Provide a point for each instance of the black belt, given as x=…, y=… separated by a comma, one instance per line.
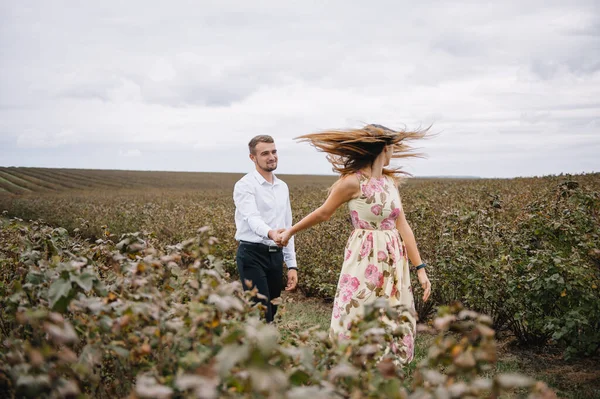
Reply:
x=263, y=247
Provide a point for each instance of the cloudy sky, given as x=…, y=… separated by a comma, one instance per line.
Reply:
x=511, y=87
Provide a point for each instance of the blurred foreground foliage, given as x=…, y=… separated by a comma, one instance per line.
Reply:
x=525, y=251
x=132, y=317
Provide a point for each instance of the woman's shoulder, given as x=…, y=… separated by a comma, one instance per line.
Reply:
x=351, y=180
x=347, y=183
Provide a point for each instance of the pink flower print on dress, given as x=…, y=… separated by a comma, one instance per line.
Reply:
x=409, y=343
x=392, y=250
x=394, y=291
x=390, y=222
x=380, y=280
x=391, y=245
x=387, y=224
x=336, y=311
x=368, y=190
x=372, y=186
x=378, y=184
x=376, y=209
x=348, y=254
x=348, y=284
x=371, y=271
x=354, y=218
x=346, y=296
x=381, y=256
x=354, y=284
x=357, y=223
x=373, y=275
x=367, y=246
x=344, y=280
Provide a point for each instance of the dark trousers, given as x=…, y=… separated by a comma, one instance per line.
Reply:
x=265, y=270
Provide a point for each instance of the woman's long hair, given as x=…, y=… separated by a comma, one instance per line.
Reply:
x=354, y=149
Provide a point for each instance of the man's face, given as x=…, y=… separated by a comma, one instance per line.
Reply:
x=265, y=156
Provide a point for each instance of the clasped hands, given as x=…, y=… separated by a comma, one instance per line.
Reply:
x=280, y=236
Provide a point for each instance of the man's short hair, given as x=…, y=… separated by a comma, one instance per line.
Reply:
x=262, y=138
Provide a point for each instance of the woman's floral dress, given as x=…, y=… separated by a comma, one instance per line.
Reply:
x=375, y=263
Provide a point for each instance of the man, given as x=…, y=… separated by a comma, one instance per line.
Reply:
x=262, y=212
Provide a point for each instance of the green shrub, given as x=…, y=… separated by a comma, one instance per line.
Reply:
x=524, y=251
x=556, y=270
x=132, y=317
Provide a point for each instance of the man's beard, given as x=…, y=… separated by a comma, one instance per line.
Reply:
x=268, y=168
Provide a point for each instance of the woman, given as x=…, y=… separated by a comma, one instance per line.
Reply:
x=376, y=255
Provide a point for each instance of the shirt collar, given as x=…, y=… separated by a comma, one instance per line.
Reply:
x=261, y=180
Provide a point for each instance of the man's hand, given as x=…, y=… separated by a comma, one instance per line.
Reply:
x=283, y=238
x=275, y=235
x=292, y=280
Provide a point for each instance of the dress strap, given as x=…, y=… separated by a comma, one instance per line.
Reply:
x=361, y=178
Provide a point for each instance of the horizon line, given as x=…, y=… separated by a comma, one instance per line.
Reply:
x=443, y=176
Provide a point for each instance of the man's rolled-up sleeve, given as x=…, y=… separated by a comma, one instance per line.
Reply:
x=245, y=203
x=289, y=252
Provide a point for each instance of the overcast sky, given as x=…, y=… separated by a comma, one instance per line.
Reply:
x=512, y=87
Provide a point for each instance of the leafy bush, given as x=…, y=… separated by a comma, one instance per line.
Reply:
x=111, y=319
x=556, y=270
x=536, y=275
x=524, y=251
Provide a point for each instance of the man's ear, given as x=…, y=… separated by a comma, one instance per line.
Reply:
x=252, y=157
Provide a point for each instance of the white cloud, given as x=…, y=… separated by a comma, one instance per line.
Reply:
x=498, y=79
x=130, y=153
x=33, y=138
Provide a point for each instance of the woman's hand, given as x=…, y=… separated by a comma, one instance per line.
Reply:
x=425, y=283
x=283, y=238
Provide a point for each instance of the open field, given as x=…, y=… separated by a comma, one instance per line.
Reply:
x=57, y=180
x=524, y=251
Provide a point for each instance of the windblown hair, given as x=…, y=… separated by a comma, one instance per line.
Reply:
x=354, y=149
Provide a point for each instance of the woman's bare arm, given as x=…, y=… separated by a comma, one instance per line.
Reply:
x=409, y=239
x=343, y=191
x=413, y=252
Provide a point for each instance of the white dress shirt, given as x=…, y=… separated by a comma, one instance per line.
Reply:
x=261, y=206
